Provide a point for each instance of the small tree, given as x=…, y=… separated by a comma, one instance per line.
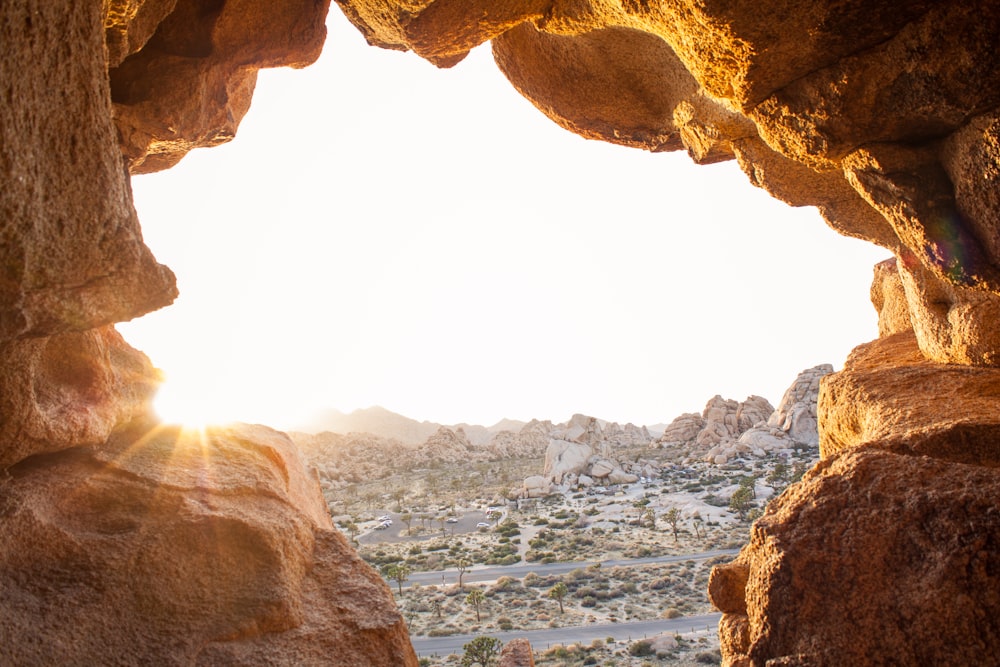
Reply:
x=557, y=593
x=443, y=520
x=481, y=651
x=406, y=518
x=475, y=598
x=741, y=501
x=778, y=475
x=398, y=572
x=352, y=529
x=673, y=517
x=398, y=495
x=696, y=522
x=462, y=565
x=650, y=516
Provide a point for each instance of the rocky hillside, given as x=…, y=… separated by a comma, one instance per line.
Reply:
x=351, y=457
x=727, y=429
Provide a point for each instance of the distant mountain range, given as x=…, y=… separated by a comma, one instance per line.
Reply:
x=387, y=424
x=378, y=421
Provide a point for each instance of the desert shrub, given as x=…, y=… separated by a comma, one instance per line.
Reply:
x=641, y=648
x=589, y=601
x=504, y=584
x=671, y=613
x=441, y=632
x=659, y=584
x=504, y=623
x=708, y=658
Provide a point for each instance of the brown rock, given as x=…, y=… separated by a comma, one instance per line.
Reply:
x=71, y=255
x=517, y=653
x=190, y=84
x=888, y=392
x=173, y=548
x=734, y=639
x=953, y=324
x=69, y=390
x=877, y=558
x=727, y=588
x=889, y=298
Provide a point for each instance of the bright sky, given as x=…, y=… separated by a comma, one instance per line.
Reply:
x=384, y=232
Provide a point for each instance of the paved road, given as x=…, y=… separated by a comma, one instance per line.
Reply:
x=540, y=639
x=492, y=573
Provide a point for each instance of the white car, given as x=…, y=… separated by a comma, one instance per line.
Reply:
x=384, y=517
x=451, y=519
x=382, y=526
x=482, y=524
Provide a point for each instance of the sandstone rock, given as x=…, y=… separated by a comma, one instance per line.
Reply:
x=601, y=468
x=215, y=549
x=536, y=486
x=72, y=255
x=517, y=653
x=161, y=91
x=888, y=392
x=914, y=552
x=562, y=458
x=796, y=412
x=619, y=476
x=683, y=430
x=69, y=390
x=889, y=298
x=585, y=480
x=953, y=324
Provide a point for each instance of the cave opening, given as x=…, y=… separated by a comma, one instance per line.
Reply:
x=382, y=232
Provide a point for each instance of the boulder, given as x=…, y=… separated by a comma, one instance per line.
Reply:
x=216, y=548
x=683, y=430
x=619, y=476
x=536, y=486
x=563, y=457
x=601, y=468
x=889, y=392
x=915, y=551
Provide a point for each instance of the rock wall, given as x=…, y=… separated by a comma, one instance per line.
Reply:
x=123, y=541
x=884, y=115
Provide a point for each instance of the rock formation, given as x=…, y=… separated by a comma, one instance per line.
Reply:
x=715, y=435
x=125, y=542
x=161, y=546
x=794, y=424
x=883, y=115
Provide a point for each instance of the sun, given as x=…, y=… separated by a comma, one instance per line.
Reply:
x=189, y=408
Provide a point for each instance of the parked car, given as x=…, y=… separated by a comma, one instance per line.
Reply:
x=384, y=517
x=382, y=526
x=451, y=519
x=482, y=524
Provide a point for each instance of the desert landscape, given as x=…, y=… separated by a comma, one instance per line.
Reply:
x=466, y=523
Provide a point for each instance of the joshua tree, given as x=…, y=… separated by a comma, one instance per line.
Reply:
x=696, y=522
x=481, y=651
x=650, y=515
x=673, y=517
x=398, y=495
x=352, y=529
x=406, y=518
x=557, y=593
x=462, y=565
x=475, y=598
x=398, y=572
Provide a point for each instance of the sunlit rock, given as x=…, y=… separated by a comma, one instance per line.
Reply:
x=165, y=546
